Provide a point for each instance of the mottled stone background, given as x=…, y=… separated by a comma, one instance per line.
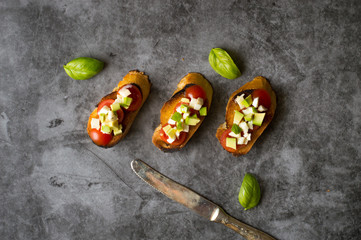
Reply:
x=56, y=184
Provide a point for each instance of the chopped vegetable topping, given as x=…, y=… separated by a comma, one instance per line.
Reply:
x=251, y=114
x=186, y=113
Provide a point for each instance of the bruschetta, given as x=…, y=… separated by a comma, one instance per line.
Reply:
x=183, y=113
x=112, y=118
x=249, y=111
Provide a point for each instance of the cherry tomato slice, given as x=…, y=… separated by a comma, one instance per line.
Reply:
x=182, y=137
x=264, y=97
x=109, y=102
x=100, y=138
x=136, y=96
x=196, y=91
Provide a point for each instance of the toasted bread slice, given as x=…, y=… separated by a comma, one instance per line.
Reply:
x=142, y=82
x=168, y=108
x=256, y=83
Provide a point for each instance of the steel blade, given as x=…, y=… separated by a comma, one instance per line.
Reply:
x=175, y=191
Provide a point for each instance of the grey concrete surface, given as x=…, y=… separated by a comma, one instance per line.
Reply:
x=56, y=184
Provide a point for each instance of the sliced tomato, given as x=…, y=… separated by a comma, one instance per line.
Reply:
x=264, y=97
x=224, y=141
x=100, y=138
x=135, y=95
x=109, y=102
x=182, y=137
x=196, y=91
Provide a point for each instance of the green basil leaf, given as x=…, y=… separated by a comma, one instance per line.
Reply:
x=223, y=64
x=83, y=68
x=250, y=192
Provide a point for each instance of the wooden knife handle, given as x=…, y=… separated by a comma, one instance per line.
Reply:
x=248, y=232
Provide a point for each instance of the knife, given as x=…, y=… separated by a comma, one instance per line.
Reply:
x=194, y=201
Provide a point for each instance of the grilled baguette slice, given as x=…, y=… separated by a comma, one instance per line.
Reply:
x=142, y=82
x=256, y=83
x=168, y=108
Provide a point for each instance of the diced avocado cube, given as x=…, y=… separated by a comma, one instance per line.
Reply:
x=118, y=130
x=95, y=123
x=192, y=121
x=231, y=143
x=106, y=129
x=126, y=102
x=236, y=129
x=176, y=116
x=203, y=111
x=254, y=110
x=247, y=101
x=180, y=126
x=248, y=117
x=185, y=100
x=115, y=106
x=111, y=123
x=184, y=108
x=258, y=118
x=167, y=128
x=102, y=117
x=237, y=117
x=171, y=133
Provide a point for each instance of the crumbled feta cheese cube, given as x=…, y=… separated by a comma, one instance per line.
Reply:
x=239, y=100
x=249, y=137
x=248, y=110
x=172, y=122
x=245, y=135
x=255, y=102
x=241, y=140
x=112, y=116
x=185, y=115
x=197, y=107
x=198, y=104
x=170, y=140
x=178, y=110
x=232, y=134
x=119, y=98
x=104, y=110
x=261, y=108
x=250, y=124
x=244, y=127
x=185, y=128
x=95, y=123
x=124, y=92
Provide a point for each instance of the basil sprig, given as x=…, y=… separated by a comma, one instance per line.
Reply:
x=83, y=68
x=250, y=192
x=223, y=64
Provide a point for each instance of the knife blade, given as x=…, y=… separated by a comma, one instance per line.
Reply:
x=194, y=201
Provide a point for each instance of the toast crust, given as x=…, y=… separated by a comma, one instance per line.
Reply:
x=168, y=108
x=257, y=83
x=142, y=82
